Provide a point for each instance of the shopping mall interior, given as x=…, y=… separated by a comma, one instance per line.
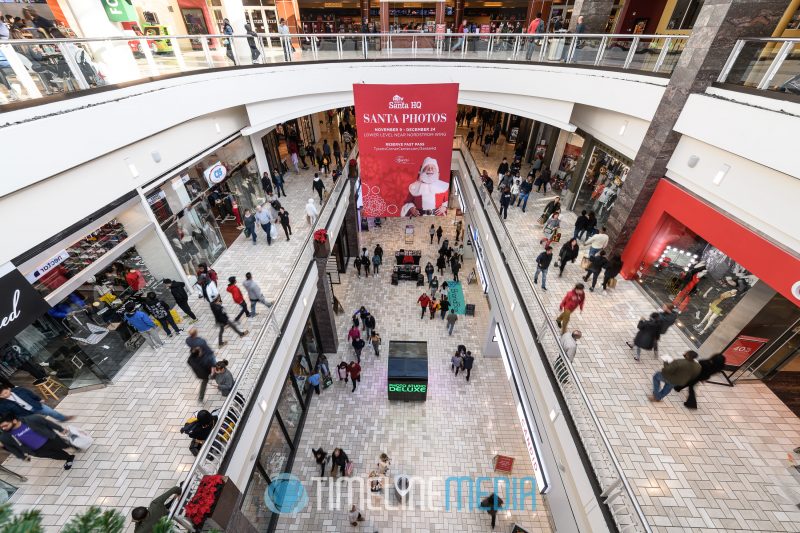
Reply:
x=400, y=267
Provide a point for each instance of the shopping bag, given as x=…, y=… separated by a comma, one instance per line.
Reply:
x=78, y=438
x=348, y=469
x=175, y=316
x=273, y=232
x=612, y=283
x=556, y=237
x=327, y=382
x=585, y=263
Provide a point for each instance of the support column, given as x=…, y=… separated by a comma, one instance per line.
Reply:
x=458, y=14
x=364, y=5
x=439, y=18
x=261, y=154
x=384, y=17
x=323, y=309
x=287, y=9
x=595, y=14
x=350, y=224
x=234, y=11
x=718, y=26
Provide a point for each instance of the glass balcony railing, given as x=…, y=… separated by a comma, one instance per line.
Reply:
x=34, y=69
x=765, y=65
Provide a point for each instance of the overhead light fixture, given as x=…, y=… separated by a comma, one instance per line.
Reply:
x=693, y=160
x=131, y=167
x=216, y=126
x=623, y=128
x=721, y=174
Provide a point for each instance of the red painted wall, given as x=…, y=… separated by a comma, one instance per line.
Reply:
x=773, y=265
x=652, y=9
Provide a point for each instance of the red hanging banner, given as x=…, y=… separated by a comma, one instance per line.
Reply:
x=405, y=140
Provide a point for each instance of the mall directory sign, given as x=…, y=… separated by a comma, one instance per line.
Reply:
x=405, y=139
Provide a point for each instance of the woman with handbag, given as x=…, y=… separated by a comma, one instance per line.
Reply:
x=596, y=264
x=613, y=268
x=568, y=253
x=551, y=226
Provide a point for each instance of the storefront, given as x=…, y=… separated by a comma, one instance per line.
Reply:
x=598, y=187
x=200, y=207
x=86, y=279
x=283, y=434
x=722, y=278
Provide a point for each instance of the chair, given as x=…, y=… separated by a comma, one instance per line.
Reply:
x=48, y=387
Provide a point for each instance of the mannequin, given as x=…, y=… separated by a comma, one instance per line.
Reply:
x=714, y=311
x=689, y=283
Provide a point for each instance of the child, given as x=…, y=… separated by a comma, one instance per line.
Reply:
x=223, y=377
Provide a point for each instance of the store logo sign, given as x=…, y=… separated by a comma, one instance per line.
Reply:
x=286, y=495
x=51, y=263
x=215, y=173
x=407, y=387
x=20, y=303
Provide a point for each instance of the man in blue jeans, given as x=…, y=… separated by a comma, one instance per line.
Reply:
x=677, y=373
x=525, y=189
x=22, y=402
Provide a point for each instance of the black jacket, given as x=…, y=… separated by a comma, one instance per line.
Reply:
x=38, y=424
x=341, y=460
x=568, y=253
x=505, y=198
x=543, y=260
x=429, y=268
x=468, y=360
x=525, y=187
x=613, y=268
x=551, y=208
x=441, y=262
x=220, y=316
x=597, y=263
x=178, y=290
x=201, y=366
x=370, y=322
x=503, y=168
x=647, y=335
x=582, y=222
x=489, y=184
x=665, y=320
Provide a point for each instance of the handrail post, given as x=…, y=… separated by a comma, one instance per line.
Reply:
x=207, y=52
x=148, y=55
x=543, y=50
x=631, y=53
x=339, y=50
x=726, y=69
x=516, y=47
x=176, y=51
x=489, y=46
x=20, y=72
x=571, y=52
x=314, y=49
x=72, y=63
x=775, y=66
x=365, y=43
x=663, y=54
x=601, y=50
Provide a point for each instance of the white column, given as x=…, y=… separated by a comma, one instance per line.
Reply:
x=113, y=59
x=260, y=153
x=234, y=11
x=558, y=152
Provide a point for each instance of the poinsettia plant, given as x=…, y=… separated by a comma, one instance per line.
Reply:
x=202, y=503
x=321, y=236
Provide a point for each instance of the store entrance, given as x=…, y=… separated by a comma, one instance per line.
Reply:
x=599, y=188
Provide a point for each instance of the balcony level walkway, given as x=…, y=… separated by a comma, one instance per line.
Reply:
x=722, y=467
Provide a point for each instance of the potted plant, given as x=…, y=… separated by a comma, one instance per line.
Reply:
x=352, y=168
x=322, y=246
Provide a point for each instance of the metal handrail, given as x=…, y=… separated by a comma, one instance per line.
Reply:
x=218, y=444
x=561, y=357
x=783, y=48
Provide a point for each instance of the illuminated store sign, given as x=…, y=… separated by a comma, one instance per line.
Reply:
x=407, y=387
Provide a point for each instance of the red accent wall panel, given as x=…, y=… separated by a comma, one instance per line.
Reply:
x=772, y=264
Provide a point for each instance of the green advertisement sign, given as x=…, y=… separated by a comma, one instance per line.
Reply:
x=119, y=10
x=407, y=387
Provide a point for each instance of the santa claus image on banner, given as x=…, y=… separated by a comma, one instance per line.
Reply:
x=428, y=194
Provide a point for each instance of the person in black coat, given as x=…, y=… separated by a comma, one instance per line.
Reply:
x=441, y=264
x=491, y=504
x=340, y=459
x=200, y=430
x=581, y=224
x=178, y=290
x=708, y=367
x=613, y=268
x=223, y=321
x=647, y=336
x=201, y=363
x=596, y=264
x=542, y=264
x=567, y=254
x=505, y=201
x=666, y=318
x=321, y=457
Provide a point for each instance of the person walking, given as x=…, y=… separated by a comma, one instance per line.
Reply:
x=677, y=373
x=286, y=40
x=266, y=184
x=567, y=254
x=666, y=318
x=444, y=304
x=357, y=264
x=525, y=189
x=433, y=285
x=236, y=294
x=551, y=227
x=206, y=288
x=283, y=216
x=264, y=218
x=456, y=362
x=433, y=306
x=358, y=346
x=581, y=225
x=597, y=242
x=365, y=262
x=375, y=340
x=491, y=504
x=542, y=264
x=24, y=402
x=254, y=293
x=145, y=518
x=647, y=335
x=160, y=310
x=423, y=301
x=222, y=320
x=452, y=318
x=311, y=212
x=321, y=458
x=467, y=363
x=708, y=367
x=429, y=269
x=376, y=263
x=432, y=232
x=596, y=264
x=142, y=323
x=278, y=182
x=251, y=42
x=455, y=265
x=249, y=222
x=569, y=342
x=574, y=299
x=339, y=460
x=34, y=436
x=441, y=263
x=318, y=185
x=470, y=139
x=194, y=340
x=505, y=201
x=314, y=380
x=227, y=29
x=439, y=233
x=354, y=371
x=341, y=371
x=223, y=377
x=353, y=333
x=202, y=364
x=369, y=324
x=613, y=268
x=178, y=291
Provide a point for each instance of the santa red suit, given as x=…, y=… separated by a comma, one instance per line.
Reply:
x=428, y=193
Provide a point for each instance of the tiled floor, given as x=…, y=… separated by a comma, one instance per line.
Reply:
x=722, y=467
x=456, y=432
x=138, y=452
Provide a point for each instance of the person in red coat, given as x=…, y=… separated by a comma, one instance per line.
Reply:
x=354, y=371
x=572, y=300
x=423, y=301
x=238, y=298
x=135, y=279
x=428, y=194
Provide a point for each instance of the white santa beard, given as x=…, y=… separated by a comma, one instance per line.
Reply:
x=428, y=192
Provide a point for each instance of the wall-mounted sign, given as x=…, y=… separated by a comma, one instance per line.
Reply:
x=59, y=258
x=119, y=10
x=215, y=173
x=20, y=303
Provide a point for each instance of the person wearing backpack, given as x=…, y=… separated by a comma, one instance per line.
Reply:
x=536, y=26
x=142, y=323
x=376, y=263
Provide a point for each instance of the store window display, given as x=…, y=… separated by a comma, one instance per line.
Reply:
x=701, y=281
x=604, y=177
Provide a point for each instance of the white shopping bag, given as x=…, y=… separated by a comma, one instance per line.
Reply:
x=273, y=231
x=78, y=438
